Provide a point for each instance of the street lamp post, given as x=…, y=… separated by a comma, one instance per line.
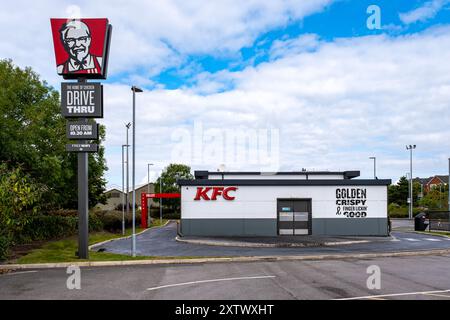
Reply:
x=148, y=191
x=448, y=184
x=160, y=200
x=127, y=199
x=410, y=148
x=133, y=249
x=123, y=190
x=374, y=166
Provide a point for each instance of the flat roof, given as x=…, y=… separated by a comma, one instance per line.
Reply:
x=284, y=182
x=203, y=174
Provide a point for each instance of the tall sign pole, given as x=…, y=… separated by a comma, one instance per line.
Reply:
x=81, y=52
x=83, y=203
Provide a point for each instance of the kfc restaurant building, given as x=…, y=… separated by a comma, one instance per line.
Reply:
x=283, y=203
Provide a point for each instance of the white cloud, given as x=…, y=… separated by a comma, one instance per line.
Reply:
x=148, y=36
x=427, y=11
x=334, y=103
x=334, y=107
x=304, y=43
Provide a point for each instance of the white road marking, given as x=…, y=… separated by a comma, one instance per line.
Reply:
x=206, y=281
x=437, y=295
x=20, y=272
x=394, y=295
x=411, y=239
x=431, y=239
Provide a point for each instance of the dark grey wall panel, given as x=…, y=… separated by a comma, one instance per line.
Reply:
x=229, y=227
x=268, y=227
x=350, y=227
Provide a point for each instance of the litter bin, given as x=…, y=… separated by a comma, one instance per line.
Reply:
x=419, y=222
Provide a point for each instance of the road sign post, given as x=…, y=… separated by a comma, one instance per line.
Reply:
x=83, y=205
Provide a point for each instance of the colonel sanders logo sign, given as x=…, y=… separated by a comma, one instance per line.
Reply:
x=81, y=47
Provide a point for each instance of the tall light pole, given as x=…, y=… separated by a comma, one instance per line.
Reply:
x=374, y=166
x=410, y=148
x=123, y=189
x=128, y=125
x=133, y=249
x=160, y=199
x=148, y=190
x=448, y=184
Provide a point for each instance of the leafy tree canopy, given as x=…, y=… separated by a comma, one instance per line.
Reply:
x=32, y=137
x=169, y=178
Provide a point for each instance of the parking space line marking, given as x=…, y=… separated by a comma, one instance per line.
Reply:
x=437, y=295
x=394, y=295
x=206, y=281
x=431, y=239
x=20, y=272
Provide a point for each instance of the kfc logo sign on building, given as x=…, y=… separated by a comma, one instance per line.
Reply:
x=211, y=193
x=81, y=47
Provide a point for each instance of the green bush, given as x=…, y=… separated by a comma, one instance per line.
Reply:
x=49, y=227
x=63, y=213
x=44, y=227
x=19, y=199
x=396, y=211
x=112, y=219
x=154, y=213
x=5, y=244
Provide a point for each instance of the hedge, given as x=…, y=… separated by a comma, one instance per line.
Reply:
x=112, y=220
x=5, y=244
x=45, y=227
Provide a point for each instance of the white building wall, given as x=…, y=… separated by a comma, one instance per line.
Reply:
x=254, y=202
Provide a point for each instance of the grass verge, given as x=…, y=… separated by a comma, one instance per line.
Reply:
x=64, y=250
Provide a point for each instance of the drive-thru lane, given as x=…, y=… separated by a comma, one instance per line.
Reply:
x=161, y=242
x=423, y=277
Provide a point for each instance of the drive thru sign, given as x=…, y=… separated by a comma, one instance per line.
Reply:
x=82, y=100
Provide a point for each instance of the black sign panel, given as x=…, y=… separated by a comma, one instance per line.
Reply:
x=82, y=147
x=82, y=131
x=82, y=100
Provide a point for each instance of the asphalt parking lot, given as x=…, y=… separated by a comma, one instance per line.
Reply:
x=161, y=242
x=418, y=278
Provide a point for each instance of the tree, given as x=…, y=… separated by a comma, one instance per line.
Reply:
x=32, y=137
x=19, y=200
x=399, y=193
x=436, y=198
x=169, y=178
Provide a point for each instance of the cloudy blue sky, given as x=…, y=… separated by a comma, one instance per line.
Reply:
x=307, y=78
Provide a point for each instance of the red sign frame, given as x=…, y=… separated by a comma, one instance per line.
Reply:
x=81, y=47
x=145, y=196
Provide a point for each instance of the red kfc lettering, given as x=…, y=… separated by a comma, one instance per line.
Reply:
x=202, y=193
x=225, y=193
x=217, y=191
